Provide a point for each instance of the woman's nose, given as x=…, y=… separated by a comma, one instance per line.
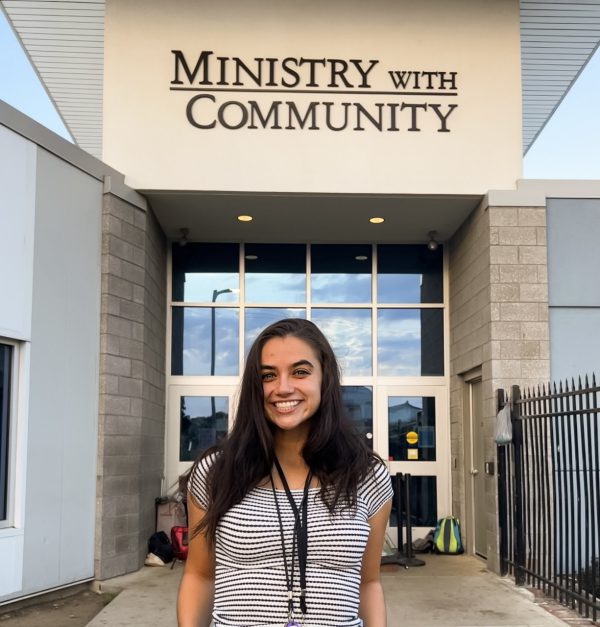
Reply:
x=285, y=385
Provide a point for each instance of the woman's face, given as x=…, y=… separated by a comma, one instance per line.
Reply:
x=291, y=378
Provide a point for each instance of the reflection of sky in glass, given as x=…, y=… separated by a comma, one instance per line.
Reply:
x=200, y=406
x=198, y=429
x=256, y=319
x=199, y=287
x=275, y=287
x=349, y=333
x=399, y=288
x=404, y=408
x=197, y=341
x=399, y=342
x=340, y=288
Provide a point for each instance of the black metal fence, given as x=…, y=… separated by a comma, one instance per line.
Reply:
x=549, y=493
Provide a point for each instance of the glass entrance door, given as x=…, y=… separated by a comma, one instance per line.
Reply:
x=198, y=417
x=414, y=436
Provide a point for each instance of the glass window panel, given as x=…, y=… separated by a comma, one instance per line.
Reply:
x=257, y=318
x=409, y=274
x=409, y=415
x=203, y=423
x=423, y=502
x=358, y=403
x=410, y=342
x=206, y=272
x=5, y=384
x=349, y=333
x=340, y=273
x=275, y=273
x=195, y=331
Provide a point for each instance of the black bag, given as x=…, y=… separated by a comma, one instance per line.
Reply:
x=161, y=546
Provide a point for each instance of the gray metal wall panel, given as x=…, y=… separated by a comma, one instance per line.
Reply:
x=61, y=472
x=574, y=286
x=574, y=342
x=573, y=252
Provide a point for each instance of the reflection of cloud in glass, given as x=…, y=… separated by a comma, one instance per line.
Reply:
x=263, y=287
x=200, y=286
x=198, y=406
x=399, y=288
x=257, y=318
x=349, y=332
x=399, y=342
x=197, y=341
x=341, y=288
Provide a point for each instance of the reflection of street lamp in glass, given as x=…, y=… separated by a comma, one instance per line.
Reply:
x=216, y=294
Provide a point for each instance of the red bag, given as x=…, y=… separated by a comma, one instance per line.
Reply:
x=179, y=540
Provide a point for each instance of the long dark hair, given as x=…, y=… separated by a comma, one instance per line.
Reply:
x=334, y=451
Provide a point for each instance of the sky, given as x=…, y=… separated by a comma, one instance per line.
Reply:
x=567, y=148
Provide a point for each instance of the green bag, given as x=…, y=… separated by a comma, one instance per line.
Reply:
x=446, y=538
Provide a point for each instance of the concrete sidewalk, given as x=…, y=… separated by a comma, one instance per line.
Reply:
x=449, y=591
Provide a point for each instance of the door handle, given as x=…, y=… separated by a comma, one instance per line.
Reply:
x=474, y=471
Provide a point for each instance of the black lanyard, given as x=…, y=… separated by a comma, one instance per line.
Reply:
x=300, y=537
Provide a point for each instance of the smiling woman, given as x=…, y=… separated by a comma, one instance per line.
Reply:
x=292, y=497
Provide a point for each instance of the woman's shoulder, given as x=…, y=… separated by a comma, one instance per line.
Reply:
x=378, y=471
x=199, y=477
x=376, y=486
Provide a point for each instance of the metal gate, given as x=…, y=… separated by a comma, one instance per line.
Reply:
x=549, y=493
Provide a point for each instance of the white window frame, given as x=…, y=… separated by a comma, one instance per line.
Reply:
x=17, y=428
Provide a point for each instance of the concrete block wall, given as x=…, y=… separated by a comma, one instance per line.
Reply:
x=132, y=385
x=498, y=326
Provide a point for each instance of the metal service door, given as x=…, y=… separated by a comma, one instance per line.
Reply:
x=414, y=436
x=198, y=416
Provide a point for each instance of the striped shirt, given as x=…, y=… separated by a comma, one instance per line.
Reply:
x=250, y=583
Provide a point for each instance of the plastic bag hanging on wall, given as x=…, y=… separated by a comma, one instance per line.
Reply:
x=504, y=426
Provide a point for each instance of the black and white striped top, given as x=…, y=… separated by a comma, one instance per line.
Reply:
x=250, y=585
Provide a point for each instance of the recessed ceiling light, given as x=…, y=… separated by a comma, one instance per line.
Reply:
x=252, y=257
x=244, y=218
x=376, y=220
x=361, y=257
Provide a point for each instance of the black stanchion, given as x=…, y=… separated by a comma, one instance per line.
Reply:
x=406, y=558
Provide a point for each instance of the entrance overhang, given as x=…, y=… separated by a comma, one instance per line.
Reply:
x=318, y=218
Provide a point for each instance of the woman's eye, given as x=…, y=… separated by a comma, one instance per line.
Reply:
x=301, y=373
x=267, y=376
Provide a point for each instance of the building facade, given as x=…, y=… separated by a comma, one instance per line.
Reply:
x=356, y=165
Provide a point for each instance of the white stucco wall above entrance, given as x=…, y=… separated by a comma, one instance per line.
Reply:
x=337, y=97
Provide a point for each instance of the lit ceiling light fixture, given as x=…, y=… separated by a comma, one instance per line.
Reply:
x=183, y=240
x=245, y=218
x=251, y=257
x=376, y=220
x=432, y=244
x=361, y=257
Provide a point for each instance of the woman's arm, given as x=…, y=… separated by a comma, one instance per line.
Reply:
x=195, y=600
x=372, y=605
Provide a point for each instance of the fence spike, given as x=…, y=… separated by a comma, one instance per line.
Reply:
x=580, y=386
x=593, y=379
x=587, y=383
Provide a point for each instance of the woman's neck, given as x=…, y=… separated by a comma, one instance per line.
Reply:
x=288, y=449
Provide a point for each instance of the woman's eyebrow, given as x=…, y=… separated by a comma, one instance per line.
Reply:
x=301, y=362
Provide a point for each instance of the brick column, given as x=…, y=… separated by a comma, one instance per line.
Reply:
x=499, y=324
x=132, y=385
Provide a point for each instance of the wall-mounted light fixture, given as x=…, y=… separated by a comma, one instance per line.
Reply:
x=432, y=244
x=183, y=240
